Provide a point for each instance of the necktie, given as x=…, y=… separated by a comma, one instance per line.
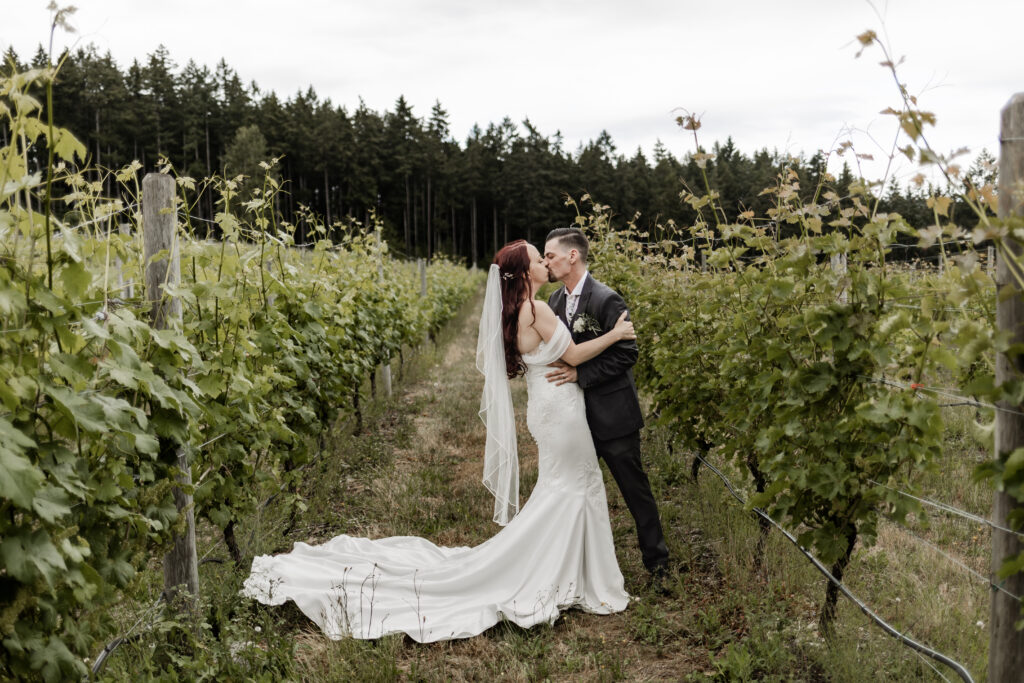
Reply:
x=570, y=307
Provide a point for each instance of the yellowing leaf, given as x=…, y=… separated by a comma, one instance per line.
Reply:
x=66, y=146
x=867, y=37
x=939, y=204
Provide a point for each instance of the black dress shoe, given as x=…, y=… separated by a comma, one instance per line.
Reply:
x=659, y=580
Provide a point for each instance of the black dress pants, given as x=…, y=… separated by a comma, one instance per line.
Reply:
x=622, y=455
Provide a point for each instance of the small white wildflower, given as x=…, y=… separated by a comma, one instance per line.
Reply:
x=980, y=624
x=259, y=629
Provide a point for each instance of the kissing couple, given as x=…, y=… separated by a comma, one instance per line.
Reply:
x=576, y=353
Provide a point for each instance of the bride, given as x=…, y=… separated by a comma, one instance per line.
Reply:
x=555, y=553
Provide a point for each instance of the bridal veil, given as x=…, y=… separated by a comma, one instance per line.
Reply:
x=501, y=457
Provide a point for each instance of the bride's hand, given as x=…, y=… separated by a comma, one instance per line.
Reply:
x=624, y=328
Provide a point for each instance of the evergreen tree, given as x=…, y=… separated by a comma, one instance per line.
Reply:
x=503, y=182
x=243, y=157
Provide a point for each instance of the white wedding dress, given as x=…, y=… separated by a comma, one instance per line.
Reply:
x=555, y=554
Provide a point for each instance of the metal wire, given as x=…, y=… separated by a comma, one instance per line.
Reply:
x=960, y=563
x=946, y=309
x=964, y=400
x=906, y=640
x=110, y=215
x=951, y=509
x=101, y=658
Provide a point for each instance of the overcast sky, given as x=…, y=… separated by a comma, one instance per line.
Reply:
x=778, y=74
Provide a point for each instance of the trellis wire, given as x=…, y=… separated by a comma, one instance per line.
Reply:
x=951, y=509
x=966, y=400
x=79, y=226
x=101, y=658
x=947, y=309
x=960, y=563
x=906, y=640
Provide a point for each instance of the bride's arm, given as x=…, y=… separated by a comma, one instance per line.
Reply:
x=545, y=322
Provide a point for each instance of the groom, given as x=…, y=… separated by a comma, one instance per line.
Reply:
x=590, y=308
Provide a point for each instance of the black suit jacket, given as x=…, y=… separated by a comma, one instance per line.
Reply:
x=613, y=407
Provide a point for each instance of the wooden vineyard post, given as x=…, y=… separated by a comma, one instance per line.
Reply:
x=269, y=267
x=181, y=570
x=839, y=268
x=1006, y=643
x=423, y=287
x=385, y=369
x=990, y=263
x=127, y=288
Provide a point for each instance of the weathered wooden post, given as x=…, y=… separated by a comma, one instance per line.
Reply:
x=126, y=289
x=1006, y=643
x=423, y=288
x=990, y=263
x=268, y=265
x=385, y=368
x=839, y=268
x=159, y=228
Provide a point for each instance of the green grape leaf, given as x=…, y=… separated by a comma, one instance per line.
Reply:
x=51, y=503
x=123, y=572
x=87, y=415
x=1014, y=463
x=146, y=443
x=28, y=556
x=76, y=279
x=21, y=479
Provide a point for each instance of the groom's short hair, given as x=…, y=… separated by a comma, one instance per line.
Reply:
x=573, y=238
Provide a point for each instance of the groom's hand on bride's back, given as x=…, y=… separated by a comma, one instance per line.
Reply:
x=562, y=373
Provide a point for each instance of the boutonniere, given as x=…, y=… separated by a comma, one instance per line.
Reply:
x=585, y=322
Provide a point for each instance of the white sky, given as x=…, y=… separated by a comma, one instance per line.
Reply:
x=776, y=74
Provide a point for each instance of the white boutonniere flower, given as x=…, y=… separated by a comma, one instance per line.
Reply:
x=586, y=323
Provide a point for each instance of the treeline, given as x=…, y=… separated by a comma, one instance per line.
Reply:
x=432, y=191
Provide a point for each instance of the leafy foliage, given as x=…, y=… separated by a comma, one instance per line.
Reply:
x=799, y=370
x=95, y=402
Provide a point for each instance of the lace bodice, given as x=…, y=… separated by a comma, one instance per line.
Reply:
x=545, y=395
x=549, y=351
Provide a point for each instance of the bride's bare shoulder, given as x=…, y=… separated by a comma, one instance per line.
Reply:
x=528, y=314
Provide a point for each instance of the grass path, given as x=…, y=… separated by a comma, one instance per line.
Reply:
x=418, y=473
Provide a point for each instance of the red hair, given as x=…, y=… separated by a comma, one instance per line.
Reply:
x=514, y=261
